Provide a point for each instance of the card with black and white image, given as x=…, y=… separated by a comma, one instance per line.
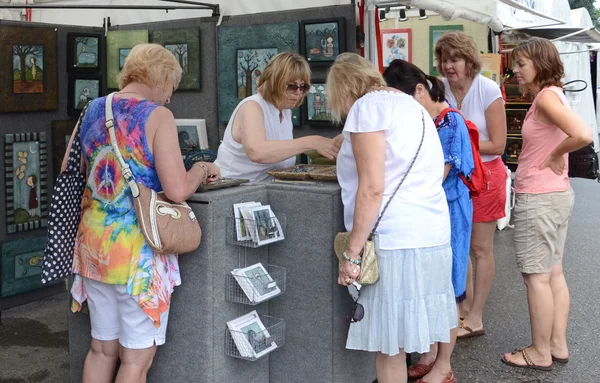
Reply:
x=251, y=336
x=267, y=228
x=256, y=282
x=241, y=226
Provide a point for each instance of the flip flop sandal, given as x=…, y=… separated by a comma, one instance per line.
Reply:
x=560, y=360
x=528, y=361
x=470, y=333
x=419, y=370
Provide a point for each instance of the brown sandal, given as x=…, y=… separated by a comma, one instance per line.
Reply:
x=528, y=361
x=419, y=370
x=470, y=333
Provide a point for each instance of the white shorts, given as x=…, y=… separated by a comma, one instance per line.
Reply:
x=114, y=314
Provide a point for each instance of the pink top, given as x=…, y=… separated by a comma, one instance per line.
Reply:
x=539, y=140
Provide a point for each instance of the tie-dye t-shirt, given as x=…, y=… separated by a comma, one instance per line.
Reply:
x=110, y=246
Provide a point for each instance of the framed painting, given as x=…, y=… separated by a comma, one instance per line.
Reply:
x=263, y=40
x=185, y=45
x=395, y=44
x=317, y=110
x=22, y=266
x=191, y=134
x=435, y=32
x=84, y=52
x=321, y=41
x=26, y=180
x=28, y=69
x=61, y=134
x=82, y=89
x=118, y=46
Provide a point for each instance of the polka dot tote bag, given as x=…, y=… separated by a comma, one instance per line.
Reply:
x=65, y=214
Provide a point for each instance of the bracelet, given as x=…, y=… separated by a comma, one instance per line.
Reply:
x=354, y=261
x=205, y=169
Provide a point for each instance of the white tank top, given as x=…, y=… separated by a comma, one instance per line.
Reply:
x=232, y=158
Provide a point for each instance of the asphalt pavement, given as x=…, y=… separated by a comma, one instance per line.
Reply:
x=34, y=337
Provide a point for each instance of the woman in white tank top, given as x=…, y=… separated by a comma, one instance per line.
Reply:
x=259, y=135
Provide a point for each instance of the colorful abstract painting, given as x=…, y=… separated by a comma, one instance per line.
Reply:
x=250, y=65
x=395, y=44
x=233, y=39
x=28, y=69
x=184, y=43
x=323, y=40
x=26, y=181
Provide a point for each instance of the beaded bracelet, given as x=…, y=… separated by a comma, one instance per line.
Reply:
x=205, y=169
x=354, y=261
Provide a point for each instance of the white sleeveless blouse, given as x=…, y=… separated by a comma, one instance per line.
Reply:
x=232, y=158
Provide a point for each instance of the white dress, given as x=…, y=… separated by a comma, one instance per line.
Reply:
x=232, y=158
x=412, y=305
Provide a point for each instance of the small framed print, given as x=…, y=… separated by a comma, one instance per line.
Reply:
x=317, y=112
x=84, y=52
x=395, y=44
x=192, y=134
x=321, y=41
x=82, y=90
x=513, y=149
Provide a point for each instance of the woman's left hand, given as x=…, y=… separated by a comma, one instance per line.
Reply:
x=348, y=273
x=556, y=164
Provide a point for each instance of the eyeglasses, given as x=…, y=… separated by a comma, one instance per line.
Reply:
x=358, y=311
x=293, y=88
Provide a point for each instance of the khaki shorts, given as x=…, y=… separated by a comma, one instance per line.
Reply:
x=541, y=222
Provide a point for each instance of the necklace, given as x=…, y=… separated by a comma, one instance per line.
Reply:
x=460, y=101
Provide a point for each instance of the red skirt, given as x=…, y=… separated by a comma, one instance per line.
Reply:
x=490, y=205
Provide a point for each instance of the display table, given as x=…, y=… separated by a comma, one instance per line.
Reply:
x=313, y=306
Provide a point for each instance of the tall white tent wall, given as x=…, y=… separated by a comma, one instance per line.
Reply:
x=577, y=67
x=122, y=17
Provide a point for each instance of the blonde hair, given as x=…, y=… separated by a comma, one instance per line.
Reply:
x=458, y=45
x=350, y=77
x=284, y=68
x=546, y=61
x=150, y=64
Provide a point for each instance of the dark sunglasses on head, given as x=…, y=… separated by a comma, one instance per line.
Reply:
x=358, y=311
x=294, y=88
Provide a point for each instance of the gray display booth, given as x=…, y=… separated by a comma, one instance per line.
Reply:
x=313, y=307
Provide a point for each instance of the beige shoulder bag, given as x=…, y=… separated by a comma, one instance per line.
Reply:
x=369, y=269
x=169, y=227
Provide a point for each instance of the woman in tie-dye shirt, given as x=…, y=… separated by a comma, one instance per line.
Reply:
x=127, y=286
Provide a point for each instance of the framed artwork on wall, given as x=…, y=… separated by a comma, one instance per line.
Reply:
x=84, y=51
x=250, y=63
x=317, y=111
x=118, y=46
x=22, y=266
x=28, y=69
x=192, y=134
x=321, y=41
x=435, y=32
x=61, y=134
x=185, y=46
x=259, y=40
x=26, y=180
x=395, y=44
x=82, y=89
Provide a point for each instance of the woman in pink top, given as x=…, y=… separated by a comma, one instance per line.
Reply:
x=544, y=201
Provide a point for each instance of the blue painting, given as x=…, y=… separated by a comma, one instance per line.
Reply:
x=316, y=103
x=250, y=65
x=322, y=41
x=86, y=52
x=180, y=51
x=86, y=90
x=28, y=68
x=123, y=53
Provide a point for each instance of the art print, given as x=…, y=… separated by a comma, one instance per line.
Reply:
x=256, y=282
x=82, y=90
x=118, y=47
x=267, y=228
x=395, y=44
x=28, y=69
x=26, y=181
x=317, y=109
x=184, y=43
x=435, y=32
x=250, y=65
x=84, y=52
x=191, y=134
x=21, y=266
x=322, y=40
x=241, y=227
x=251, y=337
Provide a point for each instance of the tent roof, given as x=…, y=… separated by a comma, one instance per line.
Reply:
x=580, y=29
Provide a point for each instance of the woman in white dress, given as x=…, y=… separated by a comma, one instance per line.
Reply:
x=412, y=304
x=259, y=135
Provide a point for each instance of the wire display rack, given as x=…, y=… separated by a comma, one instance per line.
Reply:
x=255, y=284
x=257, y=232
x=255, y=339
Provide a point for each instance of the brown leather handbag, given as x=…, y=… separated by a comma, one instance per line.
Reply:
x=168, y=227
